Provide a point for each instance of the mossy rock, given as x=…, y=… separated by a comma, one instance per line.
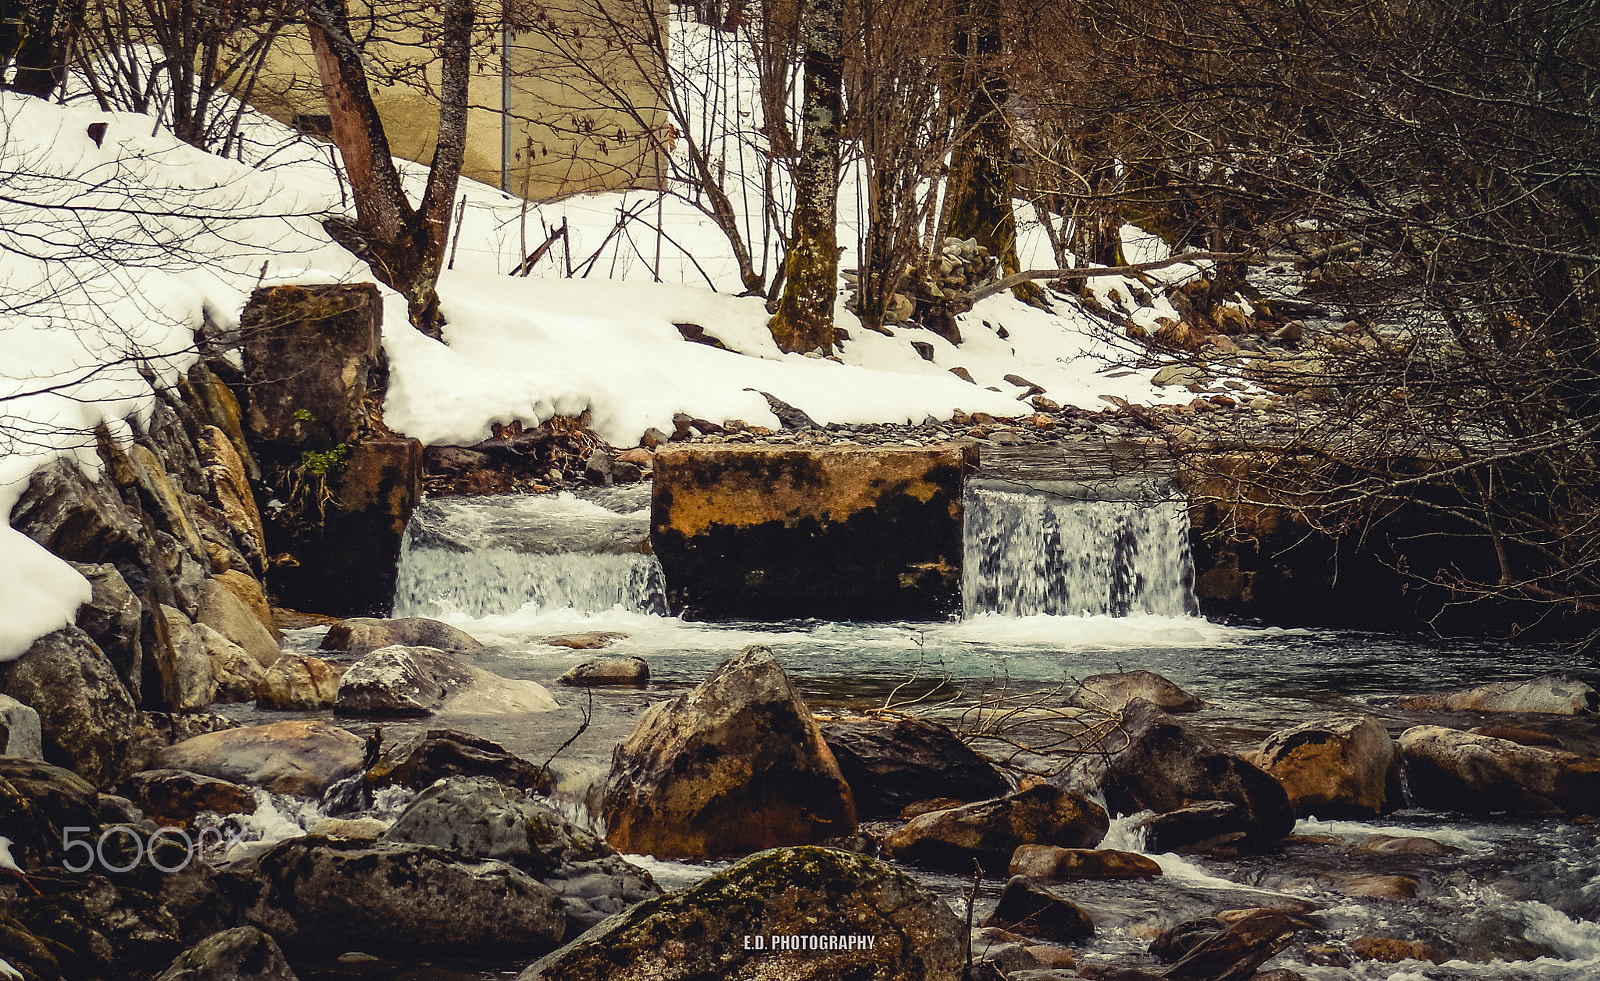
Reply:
x=739, y=923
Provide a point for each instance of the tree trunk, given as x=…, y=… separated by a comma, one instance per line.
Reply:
x=35, y=38
x=403, y=246
x=804, y=321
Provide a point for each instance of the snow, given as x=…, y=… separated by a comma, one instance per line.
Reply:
x=112, y=256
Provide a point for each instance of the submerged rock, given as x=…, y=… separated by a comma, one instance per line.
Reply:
x=300, y=757
x=1149, y=761
x=363, y=635
x=1551, y=693
x=990, y=831
x=1333, y=767
x=733, y=766
x=241, y=954
x=1459, y=771
x=1113, y=691
x=891, y=763
x=783, y=915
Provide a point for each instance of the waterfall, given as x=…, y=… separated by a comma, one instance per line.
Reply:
x=1055, y=550
x=498, y=555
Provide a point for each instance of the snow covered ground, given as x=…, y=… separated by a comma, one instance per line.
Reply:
x=113, y=254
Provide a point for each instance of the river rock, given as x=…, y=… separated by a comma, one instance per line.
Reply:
x=1338, y=767
x=483, y=819
x=236, y=674
x=112, y=619
x=441, y=753
x=299, y=682
x=799, y=893
x=338, y=894
x=1404, y=845
x=248, y=590
x=1030, y=908
x=181, y=659
x=21, y=736
x=1055, y=862
x=78, y=519
x=603, y=672
x=733, y=766
x=300, y=757
x=223, y=611
x=990, y=831
x=422, y=680
x=1455, y=770
x=174, y=797
x=95, y=928
x=360, y=636
x=241, y=954
x=1112, y=692
x=892, y=762
x=587, y=640
x=1201, y=826
x=1237, y=951
x=86, y=716
x=1552, y=693
x=1391, y=950
x=1150, y=761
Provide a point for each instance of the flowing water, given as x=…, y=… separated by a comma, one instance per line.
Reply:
x=1062, y=588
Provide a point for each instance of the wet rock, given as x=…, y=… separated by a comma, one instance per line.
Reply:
x=609, y=672
x=735, y=765
x=335, y=894
x=20, y=734
x=360, y=636
x=231, y=493
x=1376, y=886
x=223, y=611
x=240, y=954
x=1391, y=950
x=422, y=680
x=1551, y=693
x=1333, y=767
x=1454, y=770
x=928, y=806
x=112, y=620
x=86, y=716
x=1112, y=692
x=483, y=819
x=78, y=519
x=174, y=797
x=96, y=929
x=990, y=831
x=587, y=640
x=1151, y=761
x=37, y=800
x=1186, y=936
x=299, y=757
x=1030, y=908
x=1404, y=845
x=1197, y=826
x=1518, y=735
x=440, y=753
x=892, y=762
x=299, y=682
x=1055, y=862
x=1236, y=952
x=776, y=895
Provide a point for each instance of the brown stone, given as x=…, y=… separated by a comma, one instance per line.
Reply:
x=300, y=683
x=1054, y=862
x=1377, y=886
x=990, y=831
x=588, y=640
x=928, y=806
x=1405, y=845
x=175, y=796
x=232, y=493
x=245, y=586
x=1112, y=692
x=1391, y=950
x=1332, y=767
x=1456, y=770
x=1030, y=908
x=295, y=757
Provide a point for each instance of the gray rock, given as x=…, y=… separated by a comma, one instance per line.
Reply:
x=1112, y=692
x=296, y=757
x=86, y=716
x=241, y=954
x=22, y=737
x=111, y=619
x=989, y=831
x=421, y=680
x=784, y=892
x=1552, y=694
x=892, y=762
x=609, y=672
x=184, y=664
x=78, y=519
x=1454, y=770
x=338, y=894
x=1333, y=767
x=363, y=635
x=174, y=797
x=735, y=765
x=1030, y=908
x=299, y=682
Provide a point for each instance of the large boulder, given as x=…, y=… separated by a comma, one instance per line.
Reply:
x=733, y=766
x=422, y=759
x=222, y=610
x=230, y=487
x=300, y=757
x=359, y=636
x=1029, y=907
x=788, y=914
x=111, y=618
x=76, y=518
x=480, y=818
x=184, y=663
x=989, y=831
x=1454, y=770
x=248, y=589
x=1339, y=767
x=335, y=894
x=86, y=715
x=174, y=797
x=1149, y=761
x=420, y=680
x=299, y=682
x=37, y=800
x=241, y=954
x=1552, y=693
x=892, y=762
x=1112, y=692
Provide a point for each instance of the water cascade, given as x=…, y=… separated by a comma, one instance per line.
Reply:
x=1054, y=548
x=498, y=555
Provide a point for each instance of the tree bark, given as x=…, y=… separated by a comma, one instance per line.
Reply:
x=35, y=38
x=804, y=321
